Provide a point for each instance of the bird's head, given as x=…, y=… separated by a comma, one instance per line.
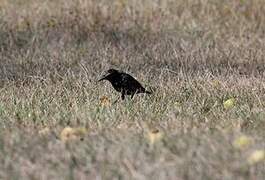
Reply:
x=109, y=73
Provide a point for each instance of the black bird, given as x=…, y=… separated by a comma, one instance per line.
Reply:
x=124, y=83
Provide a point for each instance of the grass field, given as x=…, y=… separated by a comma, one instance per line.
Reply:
x=204, y=60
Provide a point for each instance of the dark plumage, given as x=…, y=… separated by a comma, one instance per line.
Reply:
x=124, y=83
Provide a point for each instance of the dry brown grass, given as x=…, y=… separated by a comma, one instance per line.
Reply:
x=194, y=55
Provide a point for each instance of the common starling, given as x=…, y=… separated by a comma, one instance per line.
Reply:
x=124, y=83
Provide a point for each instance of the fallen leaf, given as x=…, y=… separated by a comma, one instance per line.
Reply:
x=256, y=157
x=242, y=142
x=229, y=103
x=69, y=133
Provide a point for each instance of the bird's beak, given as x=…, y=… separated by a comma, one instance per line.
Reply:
x=103, y=77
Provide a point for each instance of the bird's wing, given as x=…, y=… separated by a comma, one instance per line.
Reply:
x=131, y=83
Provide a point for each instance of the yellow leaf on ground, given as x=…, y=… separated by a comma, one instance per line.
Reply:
x=242, y=142
x=69, y=133
x=229, y=103
x=256, y=157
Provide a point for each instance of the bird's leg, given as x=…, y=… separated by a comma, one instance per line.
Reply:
x=122, y=95
x=132, y=95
